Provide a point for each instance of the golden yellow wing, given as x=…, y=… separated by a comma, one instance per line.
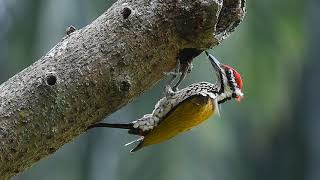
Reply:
x=186, y=115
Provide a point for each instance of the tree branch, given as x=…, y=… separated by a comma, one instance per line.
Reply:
x=98, y=69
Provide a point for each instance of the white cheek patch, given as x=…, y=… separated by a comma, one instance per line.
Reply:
x=232, y=85
x=233, y=80
x=238, y=92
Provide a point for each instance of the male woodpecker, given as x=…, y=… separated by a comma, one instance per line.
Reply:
x=181, y=110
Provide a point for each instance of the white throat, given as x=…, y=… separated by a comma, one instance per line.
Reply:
x=227, y=93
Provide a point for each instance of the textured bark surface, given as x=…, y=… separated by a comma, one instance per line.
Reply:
x=98, y=69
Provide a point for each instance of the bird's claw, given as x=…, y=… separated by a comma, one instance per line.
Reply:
x=181, y=70
x=168, y=91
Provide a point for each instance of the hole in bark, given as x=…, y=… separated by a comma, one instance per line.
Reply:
x=51, y=150
x=126, y=12
x=125, y=86
x=51, y=80
x=186, y=55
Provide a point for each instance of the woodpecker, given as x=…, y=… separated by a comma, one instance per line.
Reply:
x=181, y=110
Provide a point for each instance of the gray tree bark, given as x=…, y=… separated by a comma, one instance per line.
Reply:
x=98, y=69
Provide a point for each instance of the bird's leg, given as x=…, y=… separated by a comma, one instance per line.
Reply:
x=174, y=73
x=168, y=91
x=183, y=69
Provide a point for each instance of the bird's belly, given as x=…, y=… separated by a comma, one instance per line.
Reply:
x=185, y=116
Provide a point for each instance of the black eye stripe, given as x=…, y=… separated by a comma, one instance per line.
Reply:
x=231, y=80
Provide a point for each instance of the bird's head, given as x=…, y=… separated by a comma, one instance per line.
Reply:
x=229, y=80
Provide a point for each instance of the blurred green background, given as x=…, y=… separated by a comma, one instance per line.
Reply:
x=272, y=134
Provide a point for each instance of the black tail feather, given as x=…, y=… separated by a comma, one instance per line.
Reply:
x=120, y=126
x=139, y=146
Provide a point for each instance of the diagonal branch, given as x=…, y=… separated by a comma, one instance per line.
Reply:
x=98, y=69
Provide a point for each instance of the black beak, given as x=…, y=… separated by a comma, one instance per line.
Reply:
x=215, y=63
x=219, y=72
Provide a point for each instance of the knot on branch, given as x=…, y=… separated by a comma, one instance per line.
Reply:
x=51, y=79
x=126, y=12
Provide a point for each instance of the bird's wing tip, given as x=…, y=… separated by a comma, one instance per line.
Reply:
x=139, y=146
